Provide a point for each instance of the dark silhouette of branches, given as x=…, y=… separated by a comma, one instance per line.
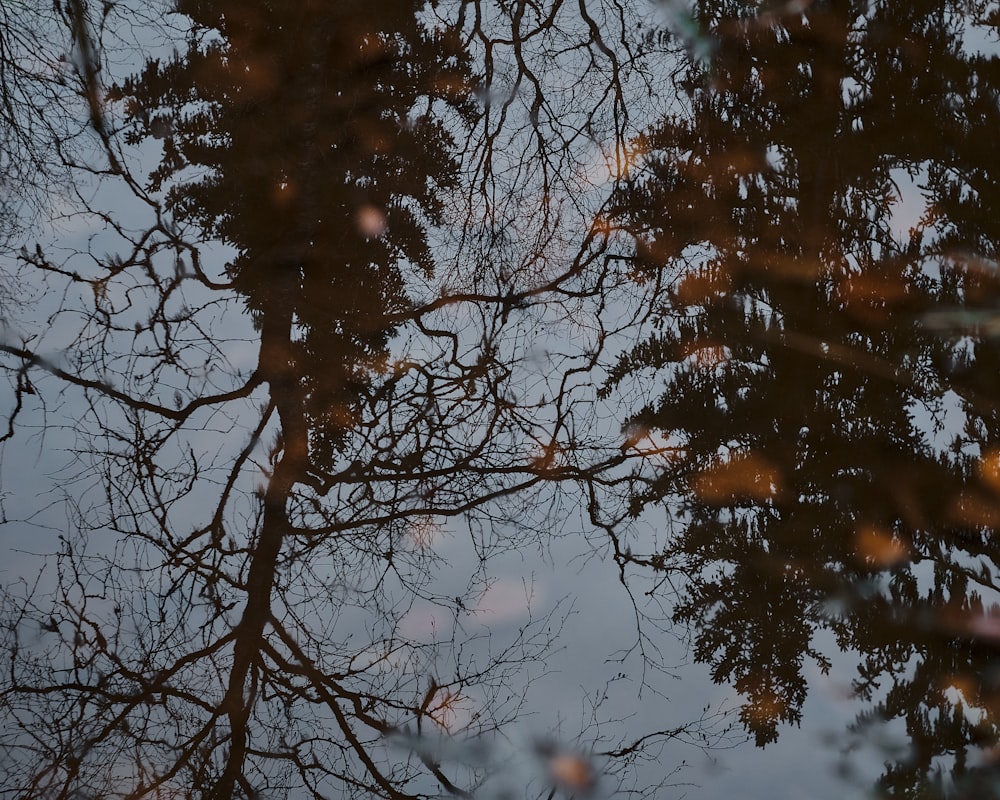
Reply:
x=348, y=297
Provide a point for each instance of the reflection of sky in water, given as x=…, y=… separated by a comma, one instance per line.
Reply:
x=593, y=680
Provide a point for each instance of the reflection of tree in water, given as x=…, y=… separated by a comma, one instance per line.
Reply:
x=808, y=360
x=234, y=643
x=325, y=163
x=313, y=159
x=321, y=173
x=808, y=347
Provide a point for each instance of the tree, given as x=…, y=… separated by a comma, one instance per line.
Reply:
x=272, y=485
x=807, y=339
x=36, y=77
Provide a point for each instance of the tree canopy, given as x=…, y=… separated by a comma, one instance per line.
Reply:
x=813, y=335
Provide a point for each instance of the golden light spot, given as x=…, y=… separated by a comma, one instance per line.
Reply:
x=975, y=509
x=571, y=772
x=879, y=547
x=368, y=47
x=745, y=476
x=766, y=707
x=450, y=84
x=371, y=222
x=258, y=77
x=779, y=266
x=284, y=192
x=961, y=685
x=697, y=287
x=989, y=469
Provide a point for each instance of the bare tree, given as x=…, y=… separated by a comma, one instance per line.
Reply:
x=318, y=339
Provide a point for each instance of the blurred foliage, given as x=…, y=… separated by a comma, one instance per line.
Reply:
x=818, y=479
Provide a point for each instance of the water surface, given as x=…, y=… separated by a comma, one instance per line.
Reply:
x=500, y=399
